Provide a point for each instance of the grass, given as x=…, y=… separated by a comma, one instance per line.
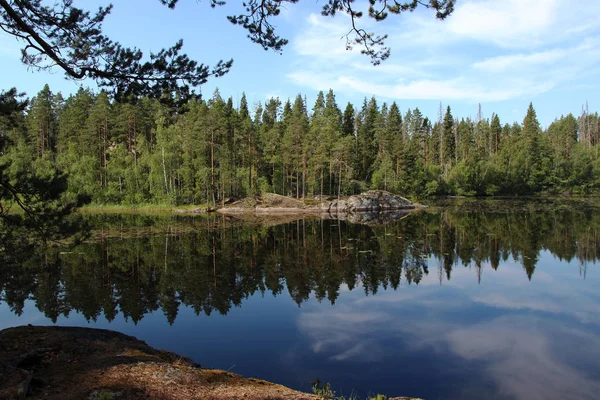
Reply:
x=325, y=392
x=135, y=209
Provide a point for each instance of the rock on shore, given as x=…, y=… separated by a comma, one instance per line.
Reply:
x=62, y=363
x=371, y=201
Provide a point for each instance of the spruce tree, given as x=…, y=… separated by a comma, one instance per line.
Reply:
x=496, y=133
x=531, y=145
x=348, y=121
x=449, y=142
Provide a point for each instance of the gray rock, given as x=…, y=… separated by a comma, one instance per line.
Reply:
x=373, y=200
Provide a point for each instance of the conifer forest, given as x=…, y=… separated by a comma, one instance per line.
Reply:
x=210, y=151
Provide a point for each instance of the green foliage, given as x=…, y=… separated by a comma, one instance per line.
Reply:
x=30, y=182
x=432, y=188
x=324, y=391
x=60, y=34
x=71, y=38
x=142, y=151
x=449, y=147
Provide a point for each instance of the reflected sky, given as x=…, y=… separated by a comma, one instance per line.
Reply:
x=506, y=338
x=485, y=333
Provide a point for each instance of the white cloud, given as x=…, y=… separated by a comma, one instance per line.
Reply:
x=508, y=23
x=343, y=334
x=309, y=79
x=486, y=51
x=323, y=38
x=449, y=89
x=519, y=357
x=583, y=54
x=503, y=63
x=522, y=353
x=401, y=71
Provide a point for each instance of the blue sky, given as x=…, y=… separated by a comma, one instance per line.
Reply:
x=502, y=54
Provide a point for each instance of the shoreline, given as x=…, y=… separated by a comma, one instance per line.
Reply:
x=311, y=208
x=54, y=362
x=373, y=201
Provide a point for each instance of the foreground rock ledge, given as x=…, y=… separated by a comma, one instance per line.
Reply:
x=83, y=363
x=371, y=201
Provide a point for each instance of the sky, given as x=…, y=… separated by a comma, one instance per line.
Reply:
x=500, y=54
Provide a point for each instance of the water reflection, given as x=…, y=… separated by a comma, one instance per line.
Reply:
x=448, y=303
x=137, y=265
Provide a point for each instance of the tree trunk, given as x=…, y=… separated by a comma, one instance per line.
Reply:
x=340, y=178
x=164, y=170
x=303, y=174
x=212, y=167
x=321, y=183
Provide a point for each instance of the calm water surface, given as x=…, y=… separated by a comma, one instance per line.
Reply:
x=497, y=301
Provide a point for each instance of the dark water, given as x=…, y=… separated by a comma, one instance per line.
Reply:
x=496, y=301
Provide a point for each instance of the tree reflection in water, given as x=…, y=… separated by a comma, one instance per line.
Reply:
x=139, y=264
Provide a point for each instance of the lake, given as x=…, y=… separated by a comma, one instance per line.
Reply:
x=495, y=299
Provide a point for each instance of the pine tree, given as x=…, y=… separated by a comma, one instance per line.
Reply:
x=496, y=133
x=318, y=157
x=397, y=142
x=288, y=155
x=331, y=135
x=449, y=143
x=300, y=129
x=98, y=134
x=270, y=142
x=367, y=148
x=42, y=122
x=246, y=141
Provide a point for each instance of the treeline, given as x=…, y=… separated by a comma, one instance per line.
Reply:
x=214, y=264
x=211, y=150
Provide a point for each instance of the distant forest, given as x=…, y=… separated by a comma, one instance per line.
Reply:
x=208, y=151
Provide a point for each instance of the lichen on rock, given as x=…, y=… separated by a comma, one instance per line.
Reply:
x=373, y=200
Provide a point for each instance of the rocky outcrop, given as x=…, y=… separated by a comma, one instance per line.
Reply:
x=64, y=363
x=68, y=363
x=371, y=208
x=371, y=201
x=268, y=203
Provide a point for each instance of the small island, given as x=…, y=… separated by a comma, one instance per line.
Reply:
x=372, y=201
